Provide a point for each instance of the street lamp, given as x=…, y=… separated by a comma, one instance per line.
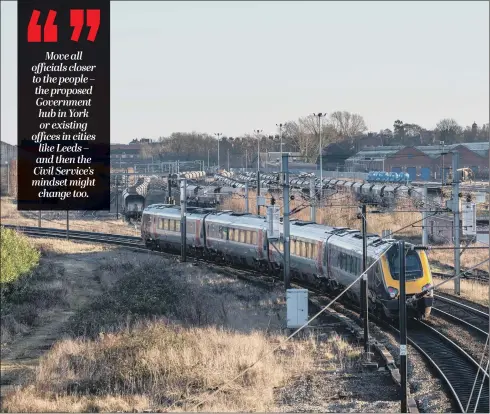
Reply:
x=218, y=134
x=280, y=136
x=320, y=115
x=258, y=131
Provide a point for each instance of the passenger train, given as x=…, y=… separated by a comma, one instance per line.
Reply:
x=328, y=257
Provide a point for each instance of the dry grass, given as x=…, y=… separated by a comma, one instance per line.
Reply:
x=161, y=366
x=340, y=210
x=201, y=339
x=48, y=246
x=468, y=259
x=475, y=291
x=10, y=215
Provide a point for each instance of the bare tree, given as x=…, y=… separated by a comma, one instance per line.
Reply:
x=448, y=130
x=346, y=124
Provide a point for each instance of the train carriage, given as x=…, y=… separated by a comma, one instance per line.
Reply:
x=306, y=247
x=325, y=256
x=160, y=227
x=238, y=237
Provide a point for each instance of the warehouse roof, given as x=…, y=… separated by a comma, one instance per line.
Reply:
x=432, y=151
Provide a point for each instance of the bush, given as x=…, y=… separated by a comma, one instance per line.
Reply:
x=18, y=256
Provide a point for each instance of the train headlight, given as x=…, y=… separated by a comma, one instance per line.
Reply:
x=392, y=292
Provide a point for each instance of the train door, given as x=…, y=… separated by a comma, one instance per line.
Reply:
x=198, y=232
x=145, y=225
x=319, y=257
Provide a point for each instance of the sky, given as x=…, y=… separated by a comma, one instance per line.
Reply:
x=233, y=67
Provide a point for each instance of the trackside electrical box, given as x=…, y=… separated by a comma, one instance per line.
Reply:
x=297, y=307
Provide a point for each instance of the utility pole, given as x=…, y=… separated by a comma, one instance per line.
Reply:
x=169, y=187
x=67, y=224
x=442, y=152
x=39, y=219
x=117, y=198
x=208, y=159
x=364, y=283
x=258, y=192
x=403, y=328
x=246, y=159
x=257, y=132
x=218, y=134
x=312, y=199
x=285, y=221
x=320, y=115
x=425, y=234
x=228, y=160
x=280, y=135
x=455, y=207
x=183, y=220
x=246, y=196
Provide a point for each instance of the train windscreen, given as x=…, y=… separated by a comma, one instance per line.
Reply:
x=413, y=265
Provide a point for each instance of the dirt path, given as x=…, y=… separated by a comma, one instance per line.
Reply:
x=23, y=354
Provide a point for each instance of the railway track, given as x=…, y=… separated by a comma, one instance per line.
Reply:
x=475, y=319
x=119, y=240
x=454, y=366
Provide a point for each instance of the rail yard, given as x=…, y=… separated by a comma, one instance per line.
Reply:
x=447, y=333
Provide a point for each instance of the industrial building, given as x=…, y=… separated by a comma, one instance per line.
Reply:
x=422, y=163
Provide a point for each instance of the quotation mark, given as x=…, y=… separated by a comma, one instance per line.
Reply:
x=77, y=22
x=34, y=28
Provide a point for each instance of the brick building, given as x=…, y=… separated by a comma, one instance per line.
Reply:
x=422, y=163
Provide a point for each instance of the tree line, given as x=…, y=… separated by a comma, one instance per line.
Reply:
x=347, y=130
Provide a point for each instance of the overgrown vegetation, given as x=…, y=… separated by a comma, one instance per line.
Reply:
x=18, y=257
x=162, y=335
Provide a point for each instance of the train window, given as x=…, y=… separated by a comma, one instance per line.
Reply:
x=165, y=224
x=177, y=225
x=254, y=237
x=307, y=249
x=280, y=246
x=236, y=235
x=231, y=234
x=292, y=246
x=249, y=237
x=242, y=236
